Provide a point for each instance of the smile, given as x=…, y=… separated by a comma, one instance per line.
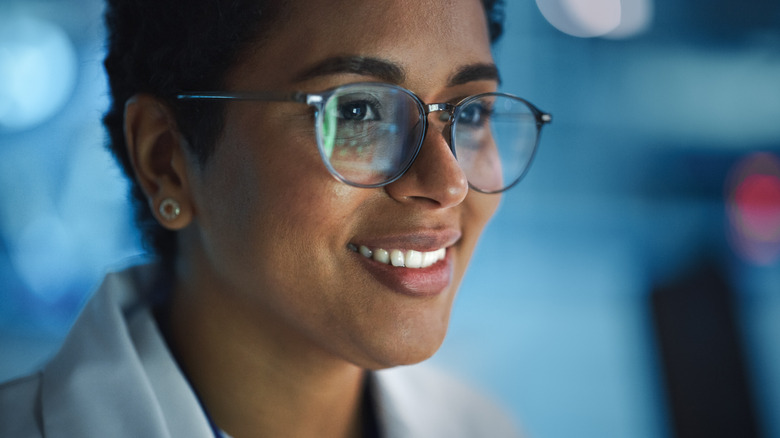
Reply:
x=400, y=258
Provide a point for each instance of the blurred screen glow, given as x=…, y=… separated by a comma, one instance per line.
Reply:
x=37, y=71
x=754, y=208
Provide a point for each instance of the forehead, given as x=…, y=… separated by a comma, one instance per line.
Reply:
x=425, y=37
x=397, y=17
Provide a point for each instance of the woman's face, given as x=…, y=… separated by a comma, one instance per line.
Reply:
x=274, y=234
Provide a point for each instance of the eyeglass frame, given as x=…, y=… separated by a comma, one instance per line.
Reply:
x=317, y=100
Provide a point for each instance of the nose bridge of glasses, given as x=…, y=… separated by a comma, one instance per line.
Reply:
x=442, y=121
x=437, y=107
x=446, y=111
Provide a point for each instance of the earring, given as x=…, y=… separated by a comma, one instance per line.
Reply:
x=169, y=209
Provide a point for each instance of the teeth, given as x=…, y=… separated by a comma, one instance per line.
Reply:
x=413, y=259
x=398, y=258
x=382, y=256
x=429, y=258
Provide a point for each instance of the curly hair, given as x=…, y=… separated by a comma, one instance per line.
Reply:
x=163, y=47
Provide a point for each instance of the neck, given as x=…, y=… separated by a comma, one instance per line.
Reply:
x=256, y=379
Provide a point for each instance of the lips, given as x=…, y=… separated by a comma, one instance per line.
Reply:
x=418, y=264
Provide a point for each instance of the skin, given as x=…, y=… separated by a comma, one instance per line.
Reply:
x=273, y=318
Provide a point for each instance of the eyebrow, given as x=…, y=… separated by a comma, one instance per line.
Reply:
x=384, y=70
x=475, y=72
x=391, y=72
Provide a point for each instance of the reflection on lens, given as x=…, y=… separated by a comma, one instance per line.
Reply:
x=495, y=138
x=370, y=132
x=329, y=128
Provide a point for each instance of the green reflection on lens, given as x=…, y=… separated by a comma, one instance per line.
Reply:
x=329, y=125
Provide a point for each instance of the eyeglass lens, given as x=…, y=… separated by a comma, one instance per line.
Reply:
x=370, y=133
x=494, y=137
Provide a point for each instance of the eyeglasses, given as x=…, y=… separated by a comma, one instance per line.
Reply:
x=369, y=134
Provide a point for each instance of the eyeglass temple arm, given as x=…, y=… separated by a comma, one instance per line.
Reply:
x=316, y=99
x=268, y=96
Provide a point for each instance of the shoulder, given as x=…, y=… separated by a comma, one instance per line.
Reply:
x=26, y=402
x=421, y=401
x=112, y=377
x=19, y=407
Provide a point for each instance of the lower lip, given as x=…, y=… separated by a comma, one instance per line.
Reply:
x=416, y=282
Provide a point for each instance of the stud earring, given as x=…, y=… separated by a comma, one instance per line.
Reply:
x=169, y=209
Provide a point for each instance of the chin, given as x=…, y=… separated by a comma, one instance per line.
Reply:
x=403, y=351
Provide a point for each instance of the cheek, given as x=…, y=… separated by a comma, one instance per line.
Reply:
x=272, y=205
x=256, y=191
x=478, y=208
x=265, y=170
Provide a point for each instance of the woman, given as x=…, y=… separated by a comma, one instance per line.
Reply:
x=310, y=216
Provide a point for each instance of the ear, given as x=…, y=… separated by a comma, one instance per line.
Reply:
x=159, y=158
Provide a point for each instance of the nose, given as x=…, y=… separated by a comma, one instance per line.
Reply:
x=435, y=177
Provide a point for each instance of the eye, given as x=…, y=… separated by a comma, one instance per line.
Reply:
x=475, y=114
x=358, y=111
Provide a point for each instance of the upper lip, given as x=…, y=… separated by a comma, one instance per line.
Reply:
x=420, y=240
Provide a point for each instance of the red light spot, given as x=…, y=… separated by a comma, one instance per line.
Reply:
x=754, y=208
x=757, y=199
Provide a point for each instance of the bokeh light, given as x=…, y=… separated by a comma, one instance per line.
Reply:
x=635, y=18
x=581, y=18
x=37, y=71
x=754, y=208
x=596, y=18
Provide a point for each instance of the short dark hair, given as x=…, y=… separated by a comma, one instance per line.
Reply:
x=164, y=47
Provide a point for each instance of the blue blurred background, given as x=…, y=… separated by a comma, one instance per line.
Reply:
x=639, y=255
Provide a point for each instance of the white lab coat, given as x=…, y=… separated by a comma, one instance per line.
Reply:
x=115, y=377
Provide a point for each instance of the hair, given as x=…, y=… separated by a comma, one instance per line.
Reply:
x=163, y=47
